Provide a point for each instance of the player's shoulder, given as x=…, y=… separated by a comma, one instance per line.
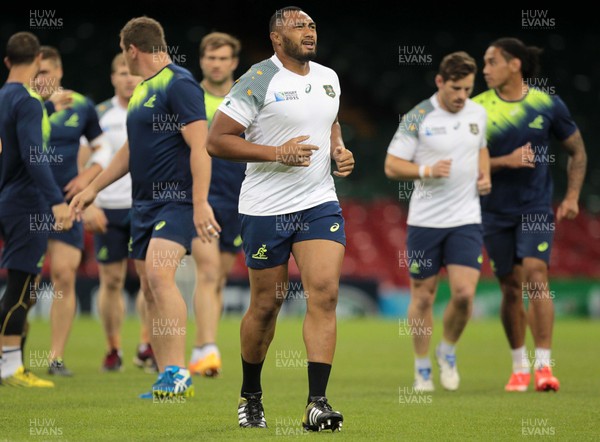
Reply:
x=103, y=107
x=539, y=98
x=420, y=111
x=256, y=80
x=179, y=72
x=261, y=72
x=81, y=102
x=173, y=75
x=16, y=96
x=474, y=107
x=23, y=95
x=484, y=97
x=322, y=69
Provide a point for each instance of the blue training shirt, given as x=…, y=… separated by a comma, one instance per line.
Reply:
x=68, y=125
x=26, y=181
x=159, y=158
x=512, y=124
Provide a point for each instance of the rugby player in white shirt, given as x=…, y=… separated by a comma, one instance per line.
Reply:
x=287, y=107
x=441, y=145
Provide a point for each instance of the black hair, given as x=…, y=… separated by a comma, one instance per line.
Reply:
x=515, y=48
x=280, y=16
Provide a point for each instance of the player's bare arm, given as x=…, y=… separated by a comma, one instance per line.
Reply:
x=99, y=157
x=520, y=157
x=118, y=167
x=399, y=169
x=576, y=167
x=484, y=181
x=200, y=164
x=224, y=141
x=344, y=159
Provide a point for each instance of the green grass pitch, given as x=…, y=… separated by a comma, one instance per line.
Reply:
x=370, y=383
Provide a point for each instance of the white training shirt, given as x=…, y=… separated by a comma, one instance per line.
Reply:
x=428, y=134
x=113, y=121
x=275, y=105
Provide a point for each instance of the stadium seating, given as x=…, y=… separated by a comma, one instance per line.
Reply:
x=376, y=233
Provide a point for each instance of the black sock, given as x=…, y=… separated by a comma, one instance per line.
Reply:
x=251, y=377
x=23, y=339
x=318, y=376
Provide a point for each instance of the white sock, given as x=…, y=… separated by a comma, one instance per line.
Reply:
x=422, y=363
x=11, y=361
x=447, y=349
x=202, y=352
x=542, y=358
x=520, y=362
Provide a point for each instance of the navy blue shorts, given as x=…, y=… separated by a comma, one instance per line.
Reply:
x=112, y=246
x=168, y=220
x=73, y=236
x=25, y=241
x=428, y=249
x=509, y=239
x=268, y=240
x=230, y=239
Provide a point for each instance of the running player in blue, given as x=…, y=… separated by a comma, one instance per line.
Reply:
x=170, y=172
x=28, y=196
x=214, y=260
x=65, y=248
x=517, y=216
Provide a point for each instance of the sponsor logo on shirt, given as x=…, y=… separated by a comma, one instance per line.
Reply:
x=286, y=96
x=429, y=131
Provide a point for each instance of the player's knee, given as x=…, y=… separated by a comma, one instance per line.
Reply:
x=536, y=274
x=422, y=296
x=325, y=290
x=324, y=297
x=512, y=289
x=422, y=303
x=462, y=297
x=63, y=274
x=160, y=280
x=113, y=282
x=207, y=273
x=266, y=310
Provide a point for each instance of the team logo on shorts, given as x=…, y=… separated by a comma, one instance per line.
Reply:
x=414, y=268
x=237, y=241
x=329, y=90
x=102, y=254
x=335, y=227
x=474, y=128
x=261, y=253
x=160, y=225
x=542, y=247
